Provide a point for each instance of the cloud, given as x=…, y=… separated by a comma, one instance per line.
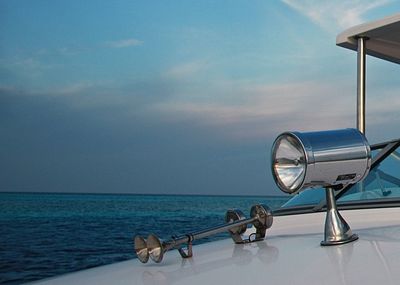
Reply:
x=264, y=110
x=124, y=100
x=28, y=68
x=119, y=137
x=125, y=43
x=72, y=50
x=185, y=70
x=333, y=15
x=235, y=110
x=49, y=144
x=75, y=88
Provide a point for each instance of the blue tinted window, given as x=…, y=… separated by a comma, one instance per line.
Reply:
x=381, y=183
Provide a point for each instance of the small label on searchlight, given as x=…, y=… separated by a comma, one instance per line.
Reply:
x=346, y=177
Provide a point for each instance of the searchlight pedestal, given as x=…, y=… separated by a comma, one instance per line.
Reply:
x=337, y=231
x=329, y=159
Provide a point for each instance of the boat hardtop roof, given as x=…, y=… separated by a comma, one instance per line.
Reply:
x=383, y=38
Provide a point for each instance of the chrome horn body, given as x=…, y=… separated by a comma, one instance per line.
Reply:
x=236, y=225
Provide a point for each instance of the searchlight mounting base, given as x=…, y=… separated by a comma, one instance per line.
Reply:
x=337, y=230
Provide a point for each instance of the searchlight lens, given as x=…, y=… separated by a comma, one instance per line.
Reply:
x=289, y=163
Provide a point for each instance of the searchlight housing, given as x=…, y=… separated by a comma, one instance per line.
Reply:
x=330, y=159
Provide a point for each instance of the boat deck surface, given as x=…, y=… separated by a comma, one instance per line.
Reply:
x=290, y=254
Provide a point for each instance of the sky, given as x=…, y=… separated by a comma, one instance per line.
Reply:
x=176, y=97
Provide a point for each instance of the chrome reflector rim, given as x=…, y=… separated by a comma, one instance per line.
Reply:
x=289, y=163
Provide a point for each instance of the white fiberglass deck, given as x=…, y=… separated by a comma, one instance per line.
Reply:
x=290, y=254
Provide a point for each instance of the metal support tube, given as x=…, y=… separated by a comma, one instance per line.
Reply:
x=215, y=230
x=177, y=241
x=361, y=62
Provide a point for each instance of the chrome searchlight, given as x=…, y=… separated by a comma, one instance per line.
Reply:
x=329, y=159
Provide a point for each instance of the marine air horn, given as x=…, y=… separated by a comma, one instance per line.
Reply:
x=236, y=225
x=329, y=159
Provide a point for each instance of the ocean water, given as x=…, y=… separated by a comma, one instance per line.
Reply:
x=43, y=235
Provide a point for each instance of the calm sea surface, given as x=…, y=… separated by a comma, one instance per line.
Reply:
x=43, y=235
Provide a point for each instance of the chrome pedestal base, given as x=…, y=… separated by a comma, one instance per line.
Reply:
x=347, y=240
x=337, y=231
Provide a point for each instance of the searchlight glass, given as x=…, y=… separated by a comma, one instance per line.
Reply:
x=289, y=163
x=313, y=159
